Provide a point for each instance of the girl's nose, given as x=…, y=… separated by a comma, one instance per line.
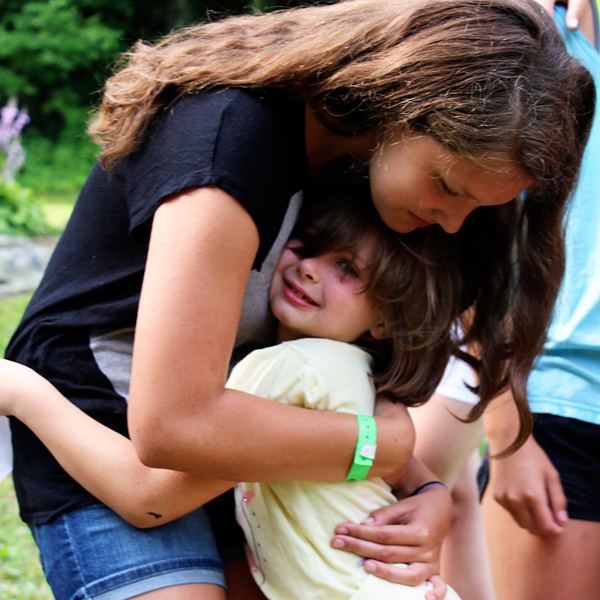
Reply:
x=452, y=219
x=309, y=269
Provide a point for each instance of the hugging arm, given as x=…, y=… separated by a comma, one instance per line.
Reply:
x=181, y=416
x=103, y=461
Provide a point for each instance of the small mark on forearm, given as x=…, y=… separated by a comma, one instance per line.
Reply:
x=155, y=515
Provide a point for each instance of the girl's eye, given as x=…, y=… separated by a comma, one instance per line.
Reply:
x=295, y=245
x=348, y=268
x=446, y=189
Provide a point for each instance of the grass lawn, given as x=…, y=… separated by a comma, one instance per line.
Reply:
x=57, y=213
x=57, y=208
x=21, y=577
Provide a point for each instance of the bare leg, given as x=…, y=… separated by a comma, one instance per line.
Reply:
x=446, y=445
x=191, y=591
x=465, y=561
x=240, y=586
x=528, y=567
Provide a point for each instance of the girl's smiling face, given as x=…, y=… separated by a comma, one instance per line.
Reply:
x=417, y=182
x=321, y=296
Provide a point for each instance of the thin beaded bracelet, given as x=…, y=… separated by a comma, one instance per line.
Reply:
x=423, y=487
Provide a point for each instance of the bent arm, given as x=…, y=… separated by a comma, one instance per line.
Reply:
x=101, y=460
x=181, y=416
x=525, y=483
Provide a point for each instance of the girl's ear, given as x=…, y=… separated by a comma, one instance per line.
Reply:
x=378, y=332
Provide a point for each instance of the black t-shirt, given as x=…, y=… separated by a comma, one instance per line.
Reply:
x=248, y=143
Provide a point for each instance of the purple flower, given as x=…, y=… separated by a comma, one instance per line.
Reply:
x=15, y=158
x=20, y=122
x=8, y=113
x=12, y=121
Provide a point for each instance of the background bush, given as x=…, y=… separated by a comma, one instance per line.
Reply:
x=55, y=56
x=21, y=211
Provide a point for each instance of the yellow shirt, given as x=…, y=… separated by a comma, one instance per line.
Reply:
x=289, y=525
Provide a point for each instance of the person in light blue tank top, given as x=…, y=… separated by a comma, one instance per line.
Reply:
x=566, y=380
x=546, y=544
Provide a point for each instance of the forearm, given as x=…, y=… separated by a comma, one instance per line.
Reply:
x=501, y=423
x=526, y=483
x=106, y=464
x=181, y=416
x=416, y=475
x=245, y=438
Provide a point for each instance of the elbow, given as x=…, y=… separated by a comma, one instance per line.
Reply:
x=144, y=517
x=157, y=455
x=146, y=502
x=139, y=520
x=154, y=445
x=180, y=440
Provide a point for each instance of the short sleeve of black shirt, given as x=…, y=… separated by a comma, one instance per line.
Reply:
x=249, y=144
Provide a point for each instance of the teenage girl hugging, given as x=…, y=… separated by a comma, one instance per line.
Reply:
x=211, y=139
x=343, y=293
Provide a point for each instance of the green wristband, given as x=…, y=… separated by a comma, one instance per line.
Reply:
x=366, y=446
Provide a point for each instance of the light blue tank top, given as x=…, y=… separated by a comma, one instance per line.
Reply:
x=566, y=380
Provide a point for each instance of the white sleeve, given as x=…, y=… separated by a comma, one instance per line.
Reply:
x=454, y=383
x=6, y=457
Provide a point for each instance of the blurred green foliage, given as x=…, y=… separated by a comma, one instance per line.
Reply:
x=55, y=56
x=21, y=211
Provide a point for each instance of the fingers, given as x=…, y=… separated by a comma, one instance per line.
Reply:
x=421, y=536
x=558, y=502
x=439, y=588
x=534, y=513
x=377, y=549
x=424, y=513
x=536, y=518
x=412, y=574
x=575, y=11
x=398, y=513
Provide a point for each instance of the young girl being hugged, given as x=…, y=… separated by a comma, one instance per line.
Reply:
x=211, y=137
x=343, y=292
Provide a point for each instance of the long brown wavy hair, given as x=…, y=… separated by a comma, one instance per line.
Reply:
x=485, y=78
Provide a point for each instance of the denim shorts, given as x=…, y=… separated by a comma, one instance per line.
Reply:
x=91, y=553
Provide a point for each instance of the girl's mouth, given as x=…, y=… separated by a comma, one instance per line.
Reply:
x=296, y=294
x=418, y=221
